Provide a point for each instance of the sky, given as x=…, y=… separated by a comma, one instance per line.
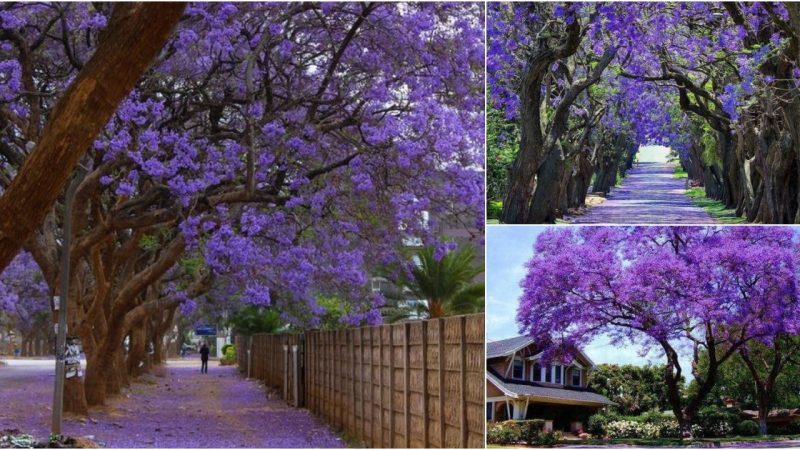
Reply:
x=508, y=248
x=653, y=153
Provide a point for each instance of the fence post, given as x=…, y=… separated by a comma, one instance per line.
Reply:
x=463, y=337
x=380, y=379
x=249, y=355
x=407, y=380
x=425, y=425
x=294, y=375
x=441, y=385
x=391, y=385
x=286, y=373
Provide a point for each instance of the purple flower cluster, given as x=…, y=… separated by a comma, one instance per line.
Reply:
x=682, y=285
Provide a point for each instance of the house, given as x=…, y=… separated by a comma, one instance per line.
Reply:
x=779, y=417
x=520, y=386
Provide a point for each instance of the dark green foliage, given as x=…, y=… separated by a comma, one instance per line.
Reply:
x=448, y=285
x=497, y=433
x=546, y=439
x=635, y=389
x=253, y=320
x=494, y=208
x=735, y=380
x=229, y=356
x=502, y=143
x=225, y=348
x=598, y=422
x=746, y=428
x=715, y=421
x=791, y=428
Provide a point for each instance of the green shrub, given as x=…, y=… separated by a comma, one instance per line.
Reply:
x=716, y=422
x=746, y=428
x=654, y=417
x=622, y=429
x=598, y=423
x=501, y=434
x=546, y=439
x=529, y=430
x=791, y=428
x=512, y=431
x=226, y=347
x=495, y=208
x=229, y=358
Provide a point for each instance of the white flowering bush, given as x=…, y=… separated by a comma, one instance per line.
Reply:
x=671, y=429
x=628, y=429
x=719, y=429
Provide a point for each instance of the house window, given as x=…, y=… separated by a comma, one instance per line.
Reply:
x=576, y=377
x=537, y=373
x=558, y=374
x=517, y=370
x=489, y=411
x=548, y=374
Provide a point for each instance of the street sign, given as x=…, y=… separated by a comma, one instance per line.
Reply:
x=205, y=330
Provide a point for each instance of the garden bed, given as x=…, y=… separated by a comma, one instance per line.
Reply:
x=664, y=442
x=13, y=438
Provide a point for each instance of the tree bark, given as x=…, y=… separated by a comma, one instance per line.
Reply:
x=133, y=38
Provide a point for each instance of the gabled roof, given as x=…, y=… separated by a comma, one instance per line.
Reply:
x=505, y=347
x=527, y=389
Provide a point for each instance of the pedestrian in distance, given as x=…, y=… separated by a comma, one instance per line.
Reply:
x=204, y=351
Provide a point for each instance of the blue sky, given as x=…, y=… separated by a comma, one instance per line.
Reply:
x=508, y=247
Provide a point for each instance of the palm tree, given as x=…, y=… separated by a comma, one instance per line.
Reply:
x=448, y=285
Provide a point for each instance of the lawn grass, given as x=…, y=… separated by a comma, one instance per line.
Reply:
x=679, y=172
x=714, y=207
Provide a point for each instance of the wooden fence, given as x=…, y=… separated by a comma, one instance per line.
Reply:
x=413, y=384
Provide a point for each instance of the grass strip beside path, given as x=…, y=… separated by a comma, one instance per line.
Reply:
x=714, y=207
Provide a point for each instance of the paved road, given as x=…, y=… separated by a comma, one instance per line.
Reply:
x=176, y=408
x=648, y=195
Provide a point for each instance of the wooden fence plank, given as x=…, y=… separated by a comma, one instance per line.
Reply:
x=342, y=375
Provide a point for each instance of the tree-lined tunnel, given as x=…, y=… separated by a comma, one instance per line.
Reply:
x=576, y=88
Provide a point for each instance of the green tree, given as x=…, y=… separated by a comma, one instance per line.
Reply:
x=760, y=378
x=635, y=389
x=502, y=141
x=446, y=284
x=255, y=319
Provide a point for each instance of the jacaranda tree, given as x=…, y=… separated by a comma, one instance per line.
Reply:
x=287, y=147
x=676, y=291
x=717, y=82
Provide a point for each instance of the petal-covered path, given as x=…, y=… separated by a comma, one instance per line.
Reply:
x=177, y=408
x=649, y=194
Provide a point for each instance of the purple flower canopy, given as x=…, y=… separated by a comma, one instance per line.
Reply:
x=293, y=146
x=652, y=285
x=639, y=99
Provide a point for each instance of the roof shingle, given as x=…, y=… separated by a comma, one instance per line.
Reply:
x=505, y=347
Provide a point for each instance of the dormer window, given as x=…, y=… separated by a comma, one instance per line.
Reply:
x=517, y=371
x=558, y=372
x=576, y=376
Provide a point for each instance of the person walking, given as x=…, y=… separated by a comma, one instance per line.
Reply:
x=204, y=351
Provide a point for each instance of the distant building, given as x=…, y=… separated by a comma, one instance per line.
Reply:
x=520, y=386
x=779, y=417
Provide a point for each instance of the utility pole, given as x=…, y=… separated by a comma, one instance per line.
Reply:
x=61, y=336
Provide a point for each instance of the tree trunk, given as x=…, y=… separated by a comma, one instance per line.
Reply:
x=137, y=352
x=75, y=396
x=133, y=38
x=543, y=208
